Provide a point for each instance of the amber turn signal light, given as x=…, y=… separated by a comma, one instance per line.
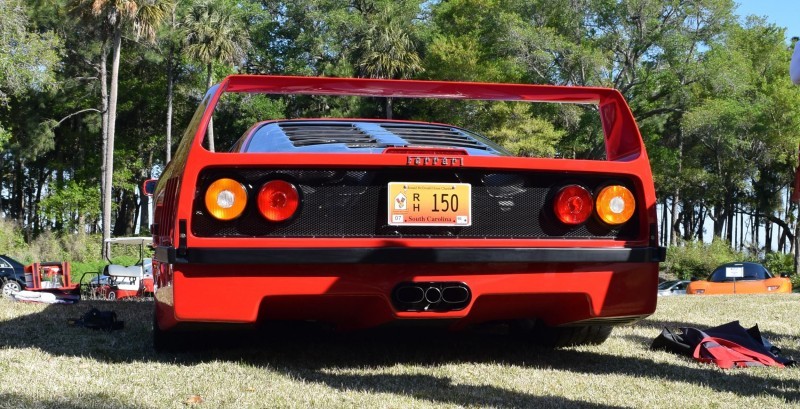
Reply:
x=573, y=205
x=615, y=204
x=226, y=199
x=278, y=200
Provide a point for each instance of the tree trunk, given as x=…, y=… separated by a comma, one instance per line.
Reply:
x=104, y=124
x=40, y=183
x=677, y=196
x=767, y=236
x=664, y=238
x=112, y=117
x=676, y=230
x=796, y=242
x=701, y=222
x=719, y=221
x=211, y=120
x=170, y=86
x=126, y=214
x=741, y=233
x=688, y=221
x=18, y=198
x=729, y=213
x=169, y=103
x=27, y=206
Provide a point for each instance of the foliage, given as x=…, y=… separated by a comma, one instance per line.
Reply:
x=386, y=48
x=709, y=90
x=27, y=58
x=214, y=32
x=697, y=259
x=12, y=241
x=778, y=263
x=521, y=133
x=72, y=205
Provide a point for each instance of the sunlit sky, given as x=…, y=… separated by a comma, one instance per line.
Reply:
x=783, y=13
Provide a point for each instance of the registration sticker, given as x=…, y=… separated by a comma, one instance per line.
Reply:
x=429, y=204
x=735, y=272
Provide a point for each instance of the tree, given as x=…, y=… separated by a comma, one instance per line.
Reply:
x=27, y=58
x=143, y=16
x=27, y=62
x=214, y=32
x=387, y=48
x=745, y=128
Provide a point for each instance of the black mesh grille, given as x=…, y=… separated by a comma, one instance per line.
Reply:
x=353, y=203
x=309, y=133
x=429, y=135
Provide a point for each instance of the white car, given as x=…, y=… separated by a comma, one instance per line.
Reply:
x=674, y=287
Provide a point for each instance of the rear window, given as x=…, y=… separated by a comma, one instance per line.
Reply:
x=540, y=129
x=666, y=285
x=9, y=263
x=731, y=272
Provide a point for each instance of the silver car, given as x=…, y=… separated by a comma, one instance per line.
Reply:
x=674, y=287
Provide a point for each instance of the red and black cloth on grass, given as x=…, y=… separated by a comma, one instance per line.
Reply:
x=727, y=346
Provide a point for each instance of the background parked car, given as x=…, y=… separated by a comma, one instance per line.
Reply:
x=12, y=275
x=740, y=278
x=673, y=287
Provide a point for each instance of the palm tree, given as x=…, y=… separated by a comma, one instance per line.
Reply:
x=143, y=16
x=387, y=50
x=173, y=44
x=213, y=32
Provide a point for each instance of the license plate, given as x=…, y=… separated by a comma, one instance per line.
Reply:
x=430, y=204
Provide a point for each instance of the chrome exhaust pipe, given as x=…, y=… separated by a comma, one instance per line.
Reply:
x=410, y=294
x=438, y=296
x=455, y=294
x=433, y=295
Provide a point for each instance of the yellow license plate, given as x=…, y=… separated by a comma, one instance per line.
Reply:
x=430, y=204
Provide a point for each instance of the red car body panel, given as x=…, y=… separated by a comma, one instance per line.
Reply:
x=349, y=281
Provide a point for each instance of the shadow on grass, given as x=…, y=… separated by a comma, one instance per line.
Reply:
x=311, y=353
x=442, y=390
x=13, y=400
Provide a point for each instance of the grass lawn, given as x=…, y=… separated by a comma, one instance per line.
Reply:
x=45, y=363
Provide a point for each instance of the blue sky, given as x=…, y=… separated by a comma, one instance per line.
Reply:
x=784, y=13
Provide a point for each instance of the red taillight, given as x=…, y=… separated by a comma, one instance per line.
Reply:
x=573, y=205
x=278, y=200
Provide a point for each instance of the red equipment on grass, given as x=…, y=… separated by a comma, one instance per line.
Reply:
x=368, y=222
x=53, y=278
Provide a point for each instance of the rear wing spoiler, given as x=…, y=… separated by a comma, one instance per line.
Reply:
x=622, y=138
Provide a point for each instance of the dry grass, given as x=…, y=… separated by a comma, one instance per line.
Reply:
x=45, y=363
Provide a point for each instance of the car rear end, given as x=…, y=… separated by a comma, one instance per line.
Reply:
x=440, y=229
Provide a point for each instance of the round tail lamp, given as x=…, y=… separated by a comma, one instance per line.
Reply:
x=615, y=204
x=573, y=205
x=226, y=199
x=278, y=200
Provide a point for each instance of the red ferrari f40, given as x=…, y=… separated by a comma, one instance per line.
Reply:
x=369, y=222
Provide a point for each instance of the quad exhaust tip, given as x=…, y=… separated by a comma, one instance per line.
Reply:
x=431, y=296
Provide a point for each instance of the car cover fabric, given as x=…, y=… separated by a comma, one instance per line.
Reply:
x=727, y=346
x=726, y=354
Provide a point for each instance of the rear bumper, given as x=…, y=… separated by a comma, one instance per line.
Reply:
x=358, y=295
x=395, y=255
